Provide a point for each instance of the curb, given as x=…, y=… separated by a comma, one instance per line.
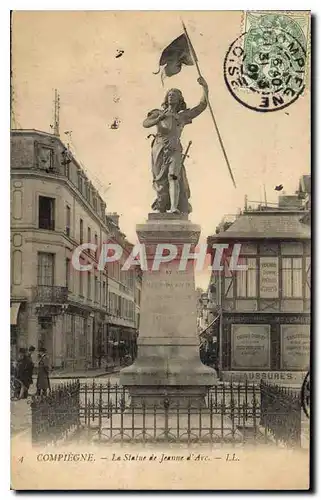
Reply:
x=110, y=372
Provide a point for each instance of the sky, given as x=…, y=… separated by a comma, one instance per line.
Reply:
x=75, y=52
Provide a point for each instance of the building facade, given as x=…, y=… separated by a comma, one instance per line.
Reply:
x=264, y=326
x=54, y=209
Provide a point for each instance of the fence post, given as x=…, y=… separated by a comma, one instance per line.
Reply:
x=166, y=407
x=262, y=403
x=78, y=404
x=34, y=421
x=281, y=413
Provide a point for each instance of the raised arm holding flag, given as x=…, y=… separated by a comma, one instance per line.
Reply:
x=181, y=52
x=169, y=176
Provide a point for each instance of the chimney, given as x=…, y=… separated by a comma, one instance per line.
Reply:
x=114, y=217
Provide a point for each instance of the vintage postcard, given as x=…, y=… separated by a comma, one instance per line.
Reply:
x=160, y=250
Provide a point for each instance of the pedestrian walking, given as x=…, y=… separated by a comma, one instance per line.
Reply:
x=32, y=354
x=33, y=361
x=24, y=372
x=15, y=384
x=122, y=351
x=43, y=382
x=101, y=355
x=114, y=352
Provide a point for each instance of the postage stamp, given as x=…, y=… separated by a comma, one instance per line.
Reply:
x=160, y=273
x=296, y=23
x=265, y=68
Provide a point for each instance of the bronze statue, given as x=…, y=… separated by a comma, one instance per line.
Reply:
x=169, y=176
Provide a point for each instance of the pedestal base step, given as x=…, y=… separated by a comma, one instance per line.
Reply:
x=168, y=396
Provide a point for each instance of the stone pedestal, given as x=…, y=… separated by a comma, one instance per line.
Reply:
x=168, y=365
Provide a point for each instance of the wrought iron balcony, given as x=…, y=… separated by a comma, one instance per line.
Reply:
x=51, y=294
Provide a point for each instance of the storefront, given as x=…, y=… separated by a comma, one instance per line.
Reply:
x=274, y=347
x=15, y=324
x=265, y=305
x=122, y=342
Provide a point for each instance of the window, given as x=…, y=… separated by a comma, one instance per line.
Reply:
x=89, y=238
x=96, y=243
x=88, y=285
x=45, y=158
x=46, y=269
x=46, y=213
x=131, y=280
x=87, y=194
x=80, y=183
x=96, y=290
x=307, y=277
x=292, y=277
x=104, y=293
x=81, y=283
x=115, y=270
x=81, y=231
x=246, y=280
x=70, y=333
x=68, y=219
x=94, y=202
x=110, y=305
x=82, y=337
x=67, y=272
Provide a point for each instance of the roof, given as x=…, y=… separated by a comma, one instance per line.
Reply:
x=277, y=224
x=24, y=131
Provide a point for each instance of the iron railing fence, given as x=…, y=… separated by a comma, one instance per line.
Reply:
x=55, y=415
x=50, y=294
x=234, y=414
x=221, y=424
x=235, y=394
x=281, y=413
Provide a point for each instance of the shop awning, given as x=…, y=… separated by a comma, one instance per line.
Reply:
x=14, y=311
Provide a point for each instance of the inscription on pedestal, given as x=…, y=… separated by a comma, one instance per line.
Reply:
x=168, y=363
x=168, y=303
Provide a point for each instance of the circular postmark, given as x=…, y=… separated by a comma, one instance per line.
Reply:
x=305, y=395
x=264, y=69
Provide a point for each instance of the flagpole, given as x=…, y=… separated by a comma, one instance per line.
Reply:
x=208, y=103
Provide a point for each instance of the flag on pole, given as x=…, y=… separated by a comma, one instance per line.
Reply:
x=179, y=52
x=174, y=56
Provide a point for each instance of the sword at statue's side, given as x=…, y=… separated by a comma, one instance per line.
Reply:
x=195, y=60
x=186, y=152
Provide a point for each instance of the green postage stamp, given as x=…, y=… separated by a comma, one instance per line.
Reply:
x=270, y=59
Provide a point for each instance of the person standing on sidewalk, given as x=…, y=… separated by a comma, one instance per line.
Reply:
x=43, y=382
x=24, y=372
x=15, y=384
x=33, y=361
x=32, y=353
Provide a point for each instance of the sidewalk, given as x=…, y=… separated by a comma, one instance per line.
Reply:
x=20, y=421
